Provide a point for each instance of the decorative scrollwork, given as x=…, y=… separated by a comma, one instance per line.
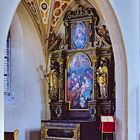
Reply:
x=81, y=11
x=100, y=42
x=44, y=131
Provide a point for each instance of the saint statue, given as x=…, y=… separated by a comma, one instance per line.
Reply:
x=53, y=83
x=102, y=78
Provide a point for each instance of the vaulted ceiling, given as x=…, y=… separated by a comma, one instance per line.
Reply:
x=48, y=14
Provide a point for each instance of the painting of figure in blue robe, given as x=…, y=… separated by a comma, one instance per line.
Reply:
x=80, y=35
x=80, y=81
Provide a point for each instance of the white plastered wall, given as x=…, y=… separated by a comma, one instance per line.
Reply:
x=127, y=12
x=8, y=11
x=26, y=55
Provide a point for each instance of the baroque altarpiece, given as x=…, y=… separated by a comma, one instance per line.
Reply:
x=81, y=78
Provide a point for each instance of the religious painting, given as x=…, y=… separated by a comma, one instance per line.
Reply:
x=79, y=81
x=80, y=35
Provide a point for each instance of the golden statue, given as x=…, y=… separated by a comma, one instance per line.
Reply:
x=102, y=78
x=53, y=83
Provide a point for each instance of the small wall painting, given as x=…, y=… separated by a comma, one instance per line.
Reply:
x=80, y=35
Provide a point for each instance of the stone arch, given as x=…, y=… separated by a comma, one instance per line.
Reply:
x=31, y=57
x=120, y=67
x=8, y=13
x=106, y=11
x=120, y=63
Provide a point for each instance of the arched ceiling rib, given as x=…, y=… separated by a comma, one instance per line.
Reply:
x=59, y=8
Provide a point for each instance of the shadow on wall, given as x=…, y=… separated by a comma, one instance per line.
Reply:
x=33, y=135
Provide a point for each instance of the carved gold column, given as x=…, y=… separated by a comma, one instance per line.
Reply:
x=94, y=92
x=61, y=80
x=93, y=104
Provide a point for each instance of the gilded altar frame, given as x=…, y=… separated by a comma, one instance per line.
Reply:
x=97, y=49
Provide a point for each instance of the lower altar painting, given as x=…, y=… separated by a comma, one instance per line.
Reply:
x=79, y=81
